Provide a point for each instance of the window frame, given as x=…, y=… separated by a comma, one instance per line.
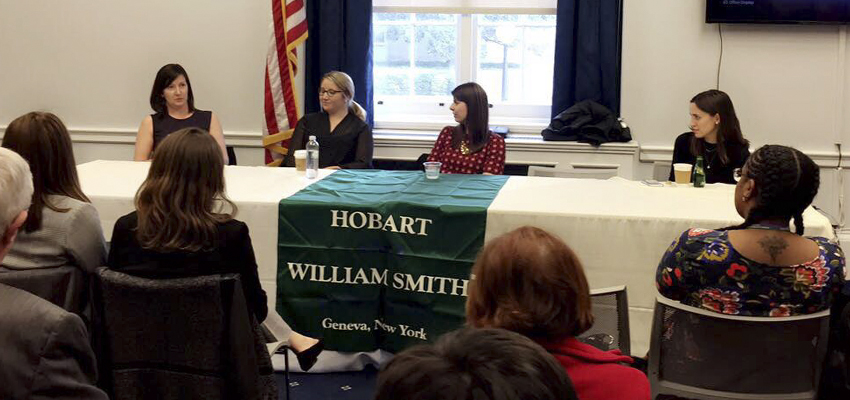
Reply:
x=433, y=113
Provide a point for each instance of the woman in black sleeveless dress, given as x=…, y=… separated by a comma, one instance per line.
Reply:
x=174, y=103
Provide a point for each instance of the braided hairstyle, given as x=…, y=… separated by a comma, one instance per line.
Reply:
x=786, y=180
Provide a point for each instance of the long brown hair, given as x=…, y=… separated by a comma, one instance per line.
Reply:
x=476, y=126
x=530, y=282
x=715, y=102
x=43, y=140
x=179, y=203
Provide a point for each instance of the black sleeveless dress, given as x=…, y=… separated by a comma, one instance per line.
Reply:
x=164, y=124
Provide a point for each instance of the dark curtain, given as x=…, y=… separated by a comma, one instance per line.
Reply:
x=587, y=54
x=340, y=38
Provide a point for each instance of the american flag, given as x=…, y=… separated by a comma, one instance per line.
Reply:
x=289, y=22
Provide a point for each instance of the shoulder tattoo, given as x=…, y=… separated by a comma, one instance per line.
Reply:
x=773, y=245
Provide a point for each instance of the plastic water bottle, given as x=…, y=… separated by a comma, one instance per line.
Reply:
x=312, y=158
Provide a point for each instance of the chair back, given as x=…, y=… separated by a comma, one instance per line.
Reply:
x=699, y=354
x=231, y=155
x=66, y=286
x=178, y=338
x=610, y=330
x=575, y=173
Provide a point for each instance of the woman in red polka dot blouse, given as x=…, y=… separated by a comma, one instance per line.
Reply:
x=469, y=147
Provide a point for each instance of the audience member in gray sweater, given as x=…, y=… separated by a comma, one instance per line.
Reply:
x=45, y=349
x=62, y=227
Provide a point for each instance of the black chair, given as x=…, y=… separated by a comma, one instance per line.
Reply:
x=700, y=354
x=610, y=330
x=835, y=379
x=231, y=155
x=66, y=286
x=179, y=338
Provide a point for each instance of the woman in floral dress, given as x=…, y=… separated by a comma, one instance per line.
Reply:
x=759, y=268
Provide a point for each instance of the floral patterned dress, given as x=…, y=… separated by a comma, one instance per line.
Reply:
x=702, y=269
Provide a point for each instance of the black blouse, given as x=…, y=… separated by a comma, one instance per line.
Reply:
x=715, y=170
x=348, y=146
x=164, y=124
x=233, y=253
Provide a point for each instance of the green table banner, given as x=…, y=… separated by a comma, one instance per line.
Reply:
x=375, y=259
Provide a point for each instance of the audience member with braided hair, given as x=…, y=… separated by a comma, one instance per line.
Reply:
x=759, y=268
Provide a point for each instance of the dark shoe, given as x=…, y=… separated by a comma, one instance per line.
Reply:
x=308, y=357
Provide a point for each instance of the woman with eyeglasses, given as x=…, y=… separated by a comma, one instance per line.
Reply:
x=174, y=103
x=715, y=136
x=345, y=140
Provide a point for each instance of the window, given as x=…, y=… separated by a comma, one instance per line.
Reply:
x=418, y=58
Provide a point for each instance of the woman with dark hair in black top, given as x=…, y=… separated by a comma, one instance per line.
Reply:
x=174, y=103
x=715, y=136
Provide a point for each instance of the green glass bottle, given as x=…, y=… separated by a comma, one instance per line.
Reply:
x=699, y=173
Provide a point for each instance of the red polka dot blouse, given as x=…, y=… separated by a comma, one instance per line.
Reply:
x=490, y=159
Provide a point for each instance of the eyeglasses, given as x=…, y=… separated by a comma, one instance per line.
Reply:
x=329, y=93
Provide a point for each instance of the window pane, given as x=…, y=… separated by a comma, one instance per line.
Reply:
x=436, y=17
x=435, y=45
x=516, y=59
x=390, y=17
x=435, y=83
x=414, y=54
x=392, y=82
x=391, y=46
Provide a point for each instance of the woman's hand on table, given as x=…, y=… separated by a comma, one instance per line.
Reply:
x=333, y=167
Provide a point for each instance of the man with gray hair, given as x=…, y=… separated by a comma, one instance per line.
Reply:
x=45, y=350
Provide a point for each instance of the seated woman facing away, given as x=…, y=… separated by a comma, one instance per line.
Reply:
x=183, y=225
x=174, y=103
x=715, y=136
x=759, y=268
x=469, y=147
x=345, y=139
x=62, y=227
x=532, y=283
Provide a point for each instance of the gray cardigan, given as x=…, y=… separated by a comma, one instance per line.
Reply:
x=65, y=238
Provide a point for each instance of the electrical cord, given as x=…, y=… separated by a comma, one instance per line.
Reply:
x=720, y=60
x=839, y=171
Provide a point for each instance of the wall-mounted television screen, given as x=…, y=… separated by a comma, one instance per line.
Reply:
x=778, y=11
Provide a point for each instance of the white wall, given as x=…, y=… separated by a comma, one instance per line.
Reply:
x=93, y=62
x=787, y=81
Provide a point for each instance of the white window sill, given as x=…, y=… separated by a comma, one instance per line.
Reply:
x=407, y=122
x=424, y=139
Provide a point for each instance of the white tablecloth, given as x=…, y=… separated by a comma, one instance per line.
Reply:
x=618, y=228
